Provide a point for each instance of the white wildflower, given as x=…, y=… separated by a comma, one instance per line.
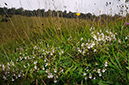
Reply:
x=96, y=63
x=81, y=38
x=50, y=75
x=3, y=67
x=56, y=76
x=23, y=54
x=17, y=59
x=94, y=70
x=51, y=54
x=85, y=78
x=47, y=71
x=12, y=79
x=28, y=64
x=100, y=74
x=103, y=70
x=4, y=78
x=44, y=60
x=90, y=75
x=62, y=52
x=94, y=50
x=55, y=81
x=126, y=38
x=35, y=67
x=23, y=74
x=62, y=70
x=19, y=75
x=8, y=64
x=98, y=33
x=55, y=70
x=106, y=64
x=90, y=28
x=16, y=77
x=95, y=37
x=119, y=41
x=25, y=57
x=46, y=64
x=82, y=44
x=94, y=78
x=43, y=68
x=35, y=62
x=24, y=66
x=99, y=70
x=84, y=74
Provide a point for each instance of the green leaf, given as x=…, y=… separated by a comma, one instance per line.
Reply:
x=127, y=68
x=31, y=75
x=68, y=70
x=80, y=71
x=103, y=82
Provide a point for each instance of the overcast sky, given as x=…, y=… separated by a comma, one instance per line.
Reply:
x=83, y=6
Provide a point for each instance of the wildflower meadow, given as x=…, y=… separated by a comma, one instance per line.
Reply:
x=64, y=51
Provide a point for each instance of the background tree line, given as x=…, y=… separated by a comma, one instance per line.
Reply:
x=5, y=13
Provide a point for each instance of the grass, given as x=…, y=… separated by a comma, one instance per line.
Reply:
x=53, y=50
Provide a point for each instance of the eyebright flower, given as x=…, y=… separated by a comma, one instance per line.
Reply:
x=3, y=67
x=35, y=67
x=4, y=78
x=19, y=75
x=94, y=78
x=55, y=81
x=81, y=38
x=126, y=38
x=96, y=63
x=84, y=74
x=103, y=70
x=50, y=75
x=106, y=64
x=100, y=74
x=86, y=78
x=12, y=79
x=90, y=75
x=119, y=41
x=55, y=70
x=98, y=71
x=46, y=64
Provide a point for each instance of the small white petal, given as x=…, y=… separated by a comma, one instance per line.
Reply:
x=100, y=74
x=86, y=78
x=12, y=79
x=84, y=74
x=98, y=71
x=55, y=81
x=94, y=78
x=90, y=75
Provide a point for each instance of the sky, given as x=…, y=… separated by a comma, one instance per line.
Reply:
x=96, y=7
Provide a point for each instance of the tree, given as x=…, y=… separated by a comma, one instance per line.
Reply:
x=19, y=11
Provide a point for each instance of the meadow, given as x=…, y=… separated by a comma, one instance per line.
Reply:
x=64, y=51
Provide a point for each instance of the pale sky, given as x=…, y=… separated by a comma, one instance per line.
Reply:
x=83, y=6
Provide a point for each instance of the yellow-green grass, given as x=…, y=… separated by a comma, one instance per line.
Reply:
x=21, y=27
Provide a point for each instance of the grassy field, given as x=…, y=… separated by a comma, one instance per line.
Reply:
x=62, y=51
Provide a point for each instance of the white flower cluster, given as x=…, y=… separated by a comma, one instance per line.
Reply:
x=94, y=71
x=35, y=61
x=98, y=39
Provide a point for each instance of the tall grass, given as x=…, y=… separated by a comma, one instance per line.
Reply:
x=53, y=50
